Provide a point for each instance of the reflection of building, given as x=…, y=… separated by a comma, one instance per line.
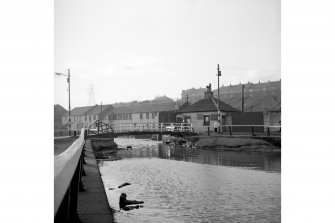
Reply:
x=205, y=112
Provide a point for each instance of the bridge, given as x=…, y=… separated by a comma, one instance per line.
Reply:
x=101, y=129
x=124, y=129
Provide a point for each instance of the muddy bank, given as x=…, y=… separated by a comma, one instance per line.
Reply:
x=236, y=143
x=104, y=148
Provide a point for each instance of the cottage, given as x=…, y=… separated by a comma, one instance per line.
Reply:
x=204, y=113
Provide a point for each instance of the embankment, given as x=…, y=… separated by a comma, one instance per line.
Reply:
x=237, y=143
x=104, y=148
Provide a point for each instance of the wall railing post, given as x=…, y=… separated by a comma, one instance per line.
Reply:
x=268, y=130
x=230, y=130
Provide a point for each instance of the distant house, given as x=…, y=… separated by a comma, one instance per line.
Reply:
x=77, y=117
x=205, y=112
x=97, y=112
x=138, y=116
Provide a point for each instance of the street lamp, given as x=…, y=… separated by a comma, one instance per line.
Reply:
x=68, y=81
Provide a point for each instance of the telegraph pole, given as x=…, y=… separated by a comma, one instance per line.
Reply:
x=68, y=81
x=69, y=90
x=243, y=98
x=219, y=111
x=100, y=112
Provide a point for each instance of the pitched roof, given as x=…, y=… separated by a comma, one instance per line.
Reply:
x=143, y=108
x=184, y=106
x=205, y=105
x=96, y=110
x=80, y=110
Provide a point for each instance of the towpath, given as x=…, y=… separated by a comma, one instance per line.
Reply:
x=93, y=204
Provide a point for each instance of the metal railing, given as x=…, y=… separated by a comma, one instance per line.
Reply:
x=240, y=129
x=150, y=126
x=68, y=167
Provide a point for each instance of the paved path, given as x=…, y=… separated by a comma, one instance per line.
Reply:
x=93, y=204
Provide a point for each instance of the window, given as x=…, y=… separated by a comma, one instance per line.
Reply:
x=147, y=115
x=206, y=120
x=214, y=117
x=200, y=116
x=141, y=116
x=187, y=119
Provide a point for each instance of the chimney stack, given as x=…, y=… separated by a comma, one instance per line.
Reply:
x=209, y=92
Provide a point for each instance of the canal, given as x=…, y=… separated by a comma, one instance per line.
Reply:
x=194, y=185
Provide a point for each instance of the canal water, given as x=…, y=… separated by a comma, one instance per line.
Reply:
x=194, y=185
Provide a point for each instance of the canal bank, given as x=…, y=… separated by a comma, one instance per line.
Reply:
x=237, y=143
x=93, y=205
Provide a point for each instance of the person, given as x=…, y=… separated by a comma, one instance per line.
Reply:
x=123, y=203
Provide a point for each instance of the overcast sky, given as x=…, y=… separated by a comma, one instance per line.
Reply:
x=138, y=49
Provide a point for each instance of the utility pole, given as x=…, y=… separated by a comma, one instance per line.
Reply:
x=68, y=81
x=69, y=90
x=100, y=112
x=243, y=98
x=219, y=111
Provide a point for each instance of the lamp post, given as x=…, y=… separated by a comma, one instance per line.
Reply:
x=219, y=111
x=243, y=97
x=68, y=81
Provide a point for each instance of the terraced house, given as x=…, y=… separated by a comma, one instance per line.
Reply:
x=124, y=117
x=83, y=117
x=77, y=117
x=141, y=116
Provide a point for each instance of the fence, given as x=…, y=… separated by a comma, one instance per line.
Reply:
x=247, y=129
x=68, y=168
x=154, y=127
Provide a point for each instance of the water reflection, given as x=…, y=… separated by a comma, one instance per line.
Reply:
x=267, y=161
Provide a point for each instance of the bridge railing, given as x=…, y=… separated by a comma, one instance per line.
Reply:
x=151, y=126
x=240, y=129
x=67, y=176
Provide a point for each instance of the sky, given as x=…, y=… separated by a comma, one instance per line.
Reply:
x=137, y=50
